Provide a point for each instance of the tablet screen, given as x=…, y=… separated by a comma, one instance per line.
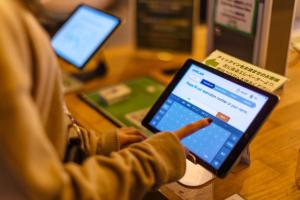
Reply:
x=82, y=34
x=199, y=94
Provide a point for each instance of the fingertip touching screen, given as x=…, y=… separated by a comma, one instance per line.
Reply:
x=200, y=94
x=82, y=35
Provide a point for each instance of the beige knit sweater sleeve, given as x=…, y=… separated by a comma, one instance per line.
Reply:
x=31, y=130
x=95, y=143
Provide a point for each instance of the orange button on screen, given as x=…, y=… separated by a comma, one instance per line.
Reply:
x=223, y=117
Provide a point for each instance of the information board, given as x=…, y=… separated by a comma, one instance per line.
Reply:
x=238, y=15
x=249, y=73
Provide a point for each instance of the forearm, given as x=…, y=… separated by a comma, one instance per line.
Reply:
x=126, y=174
x=131, y=172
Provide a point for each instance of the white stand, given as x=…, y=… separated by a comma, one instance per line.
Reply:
x=195, y=175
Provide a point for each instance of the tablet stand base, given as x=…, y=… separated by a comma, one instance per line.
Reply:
x=195, y=175
x=99, y=71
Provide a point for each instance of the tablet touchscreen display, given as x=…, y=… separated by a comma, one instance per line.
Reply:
x=82, y=35
x=199, y=94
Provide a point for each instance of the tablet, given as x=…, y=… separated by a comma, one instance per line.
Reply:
x=237, y=109
x=83, y=33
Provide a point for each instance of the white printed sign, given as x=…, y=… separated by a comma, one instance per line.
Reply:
x=236, y=14
x=244, y=71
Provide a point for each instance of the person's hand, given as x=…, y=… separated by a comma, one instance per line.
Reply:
x=192, y=127
x=129, y=136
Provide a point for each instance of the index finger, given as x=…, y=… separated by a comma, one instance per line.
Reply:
x=192, y=127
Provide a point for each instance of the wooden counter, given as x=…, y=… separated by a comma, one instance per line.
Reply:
x=273, y=152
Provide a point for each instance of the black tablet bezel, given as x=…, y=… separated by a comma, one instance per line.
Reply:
x=247, y=136
x=99, y=46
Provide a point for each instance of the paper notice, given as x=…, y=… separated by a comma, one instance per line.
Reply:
x=244, y=71
x=239, y=15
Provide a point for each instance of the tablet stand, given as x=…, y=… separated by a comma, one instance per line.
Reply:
x=99, y=71
x=196, y=175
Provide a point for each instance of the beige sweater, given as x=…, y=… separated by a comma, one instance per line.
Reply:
x=33, y=131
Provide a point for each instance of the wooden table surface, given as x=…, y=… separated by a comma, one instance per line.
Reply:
x=274, y=151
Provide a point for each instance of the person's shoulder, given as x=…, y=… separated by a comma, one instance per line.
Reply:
x=10, y=11
x=16, y=19
x=10, y=6
x=14, y=43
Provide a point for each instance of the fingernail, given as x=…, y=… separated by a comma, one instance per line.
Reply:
x=209, y=120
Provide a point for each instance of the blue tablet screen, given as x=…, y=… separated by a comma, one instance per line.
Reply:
x=82, y=34
x=201, y=94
